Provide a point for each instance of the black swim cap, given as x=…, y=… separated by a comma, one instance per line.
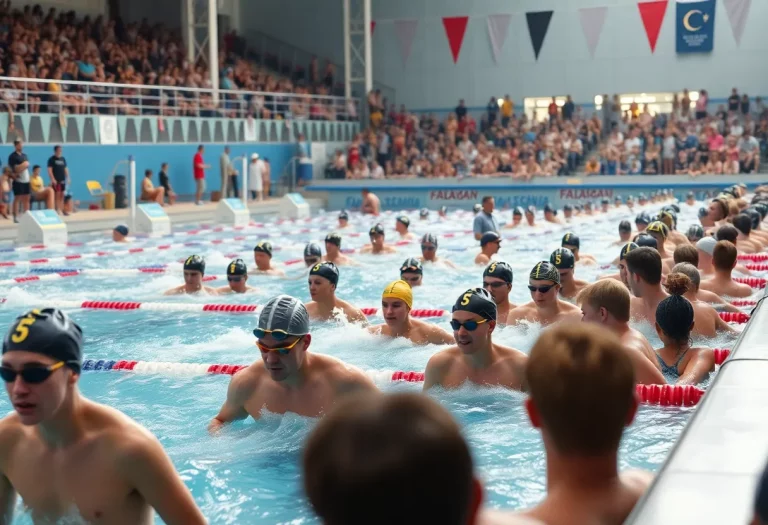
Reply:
x=499, y=269
x=429, y=238
x=567, y=207
x=630, y=198
x=478, y=301
x=411, y=265
x=327, y=270
x=690, y=195
x=755, y=216
x=658, y=227
x=695, y=232
x=674, y=207
x=624, y=226
x=122, y=229
x=312, y=250
x=333, y=238
x=605, y=200
x=47, y=332
x=646, y=240
x=563, y=259
x=424, y=212
x=643, y=218
x=618, y=198
x=703, y=212
x=489, y=237
x=264, y=247
x=545, y=271
x=237, y=267
x=518, y=211
x=343, y=215
x=195, y=263
x=402, y=219
x=571, y=239
x=531, y=210
x=628, y=248
x=377, y=229
x=642, y=197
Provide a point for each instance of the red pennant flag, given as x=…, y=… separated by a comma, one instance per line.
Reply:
x=455, y=26
x=652, y=14
x=373, y=26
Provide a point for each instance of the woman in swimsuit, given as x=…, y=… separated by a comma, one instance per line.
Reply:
x=680, y=363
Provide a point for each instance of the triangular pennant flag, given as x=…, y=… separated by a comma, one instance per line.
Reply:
x=405, y=31
x=373, y=26
x=592, y=21
x=538, y=24
x=455, y=27
x=652, y=14
x=498, y=25
x=737, y=13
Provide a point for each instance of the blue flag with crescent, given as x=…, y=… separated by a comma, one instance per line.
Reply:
x=695, y=26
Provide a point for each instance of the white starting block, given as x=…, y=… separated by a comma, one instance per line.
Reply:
x=152, y=219
x=293, y=206
x=232, y=212
x=42, y=227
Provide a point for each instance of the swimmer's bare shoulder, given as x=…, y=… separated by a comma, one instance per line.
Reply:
x=433, y=333
x=352, y=313
x=514, y=360
x=343, y=377
x=176, y=290
x=439, y=365
x=242, y=387
x=524, y=312
x=481, y=258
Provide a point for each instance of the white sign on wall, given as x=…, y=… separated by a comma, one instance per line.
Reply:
x=108, y=129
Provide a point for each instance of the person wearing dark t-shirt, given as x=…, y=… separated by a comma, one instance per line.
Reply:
x=59, y=175
x=734, y=101
x=165, y=182
x=19, y=165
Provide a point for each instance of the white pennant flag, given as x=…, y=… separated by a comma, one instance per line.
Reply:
x=405, y=31
x=592, y=21
x=737, y=13
x=498, y=25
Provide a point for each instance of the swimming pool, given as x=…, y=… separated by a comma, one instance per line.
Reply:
x=250, y=474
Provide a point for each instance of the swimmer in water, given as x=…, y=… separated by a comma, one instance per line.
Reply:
x=423, y=214
x=545, y=308
x=517, y=218
x=706, y=248
x=669, y=217
x=724, y=257
x=565, y=263
x=617, y=202
x=745, y=241
x=708, y=321
x=262, y=256
x=718, y=209
x=642, y=199
x=646, y=240
x=377, y=245
x=58, y=449
x=323, y=280
x=237, y=278
x=396, y=304
x=567, y=213
x=530, y=216
x=194, y=271
x=497, y=280
x=625, y=233
x=659, y=231
x=288, y=378
x=475, y=358
x=704, y=219
x=642, y=221
x=412, y=272
x=690, y=198
x=622, y=275
x=401, y=227
x=442, y=212
x=312, y=254
x=644, y=277
x=695, y=233
x=343, y=219
x=588, y=209
x=371, y=203
x=755, y=233
x=630, y=202
x=680, y=363
x=605, y=205
x=607, y=303
x=490, y=244
x=120, y=233
x=429, y=251
x=333, y=251
x=572, y=242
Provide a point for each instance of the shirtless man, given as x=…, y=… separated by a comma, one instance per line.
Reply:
x=148, y=191
x=401, y=227
x=333, y=251
x=424, y=214
x=312, y=254
x=120, y=233
x=622, y=275
x=745, y=241
x=323, y=280
x=659, y=231
x=572, y=242
x=565, y=263
x=371, y=203
x=517, y=218
x=669, y=217
x=545, y=308
x=288, y=378
x=377, y=245
x=642, y=220
x=194, y=271
x=530, y=216
x=490, y=244
x=625, y=233
x=262, y=256
x=412, y=272
x=343, y=219
x=695, y=233
x=644, y=278
x=70, y=459
x=724, y=261
x=607, y=303
x=475, y=358
x=497, y=280
x=708, y=321
x=706, y=248
x=237, y=279
x=396, y=304
x=550, y=215
x=429, y=251
x=583, y=481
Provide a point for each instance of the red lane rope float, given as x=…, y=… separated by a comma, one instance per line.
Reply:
x=758, y=267
x=754, y=257
x=743, y=302
x=753, y=282
x=721, y=354
x=669, y=395
x=734, y=317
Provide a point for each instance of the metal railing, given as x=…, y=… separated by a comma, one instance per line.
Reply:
x=25, y=95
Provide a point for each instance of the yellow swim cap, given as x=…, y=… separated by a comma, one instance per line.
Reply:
x=399, y=290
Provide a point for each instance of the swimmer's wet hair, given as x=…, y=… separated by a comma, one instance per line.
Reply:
x=582, y=384
x=371, y=451
x=674, y=315
x=743, y=223
x=690, y=271
x=686, y=253
x=727, y=232
x=609, y=294
x=724, y=255
x=645, y=262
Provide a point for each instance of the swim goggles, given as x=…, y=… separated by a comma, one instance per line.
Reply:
x=234, y=278
x=469, y=326
x=428, y=247
x=283, y=350
x=410, y=279
x=311, y=260
x=495, y=284
x=277, y=335
x=32, y=375
x=541, y=289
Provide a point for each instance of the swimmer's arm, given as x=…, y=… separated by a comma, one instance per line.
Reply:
x=698, y=367
x=435, y=371
x=439, y=336
x=7, y=501
x=355, y=315
x=722, y=326
x=174, y=291
x=212, y=291
x=646, y=372
x=233, y=408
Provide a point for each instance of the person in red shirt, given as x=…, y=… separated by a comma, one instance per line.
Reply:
x=353, y=153
x=199, y=167
x=553, y=110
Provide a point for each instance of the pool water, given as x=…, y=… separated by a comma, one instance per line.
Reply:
x=251, y=473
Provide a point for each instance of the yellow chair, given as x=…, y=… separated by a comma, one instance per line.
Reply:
x=94, y=188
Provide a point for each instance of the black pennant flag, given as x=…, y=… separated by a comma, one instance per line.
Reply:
x=538, y=24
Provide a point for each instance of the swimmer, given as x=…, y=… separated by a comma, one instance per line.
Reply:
x=605, y=205
x=262, y=256
x=371, y=203
x=442, y=212
x=377, y=245
x=490, y=244
x=401, y=227
x=572, y=242
x=723, y=262
x=429, y=251
x=708, y=321
x=668, y=216
x=686, y=253
x=591, y=368
x=396, y=304
x=630, y=202
x=646, y=240
x=680, y=363
x=333, y=251
x=412, y=272
x=312, y=254
x=568, y=212
x=323, y=280
x=497, y=280
x=642, y=221
x=718, y=209
x=704, y=219
x=689, y=254
x=565, y=263
x=475, y=358
x=625, y=233
x=343, y=219
x=644, y=277
x=690, y=198
x=607, y=303
x=617, y=201
x=288, y=378
x=756, y=233
x=237, y=278
x=194, y=271
x=695, y=233
x=517, y=218
x=745, y=241
x=659, y=231
x=622, y=275
x=423, y=214
x=546, y=307
x=530, y=216
x=588, y=210
x=706, y=248
x=63, y=453
x=120, y=233
x=642, y=199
